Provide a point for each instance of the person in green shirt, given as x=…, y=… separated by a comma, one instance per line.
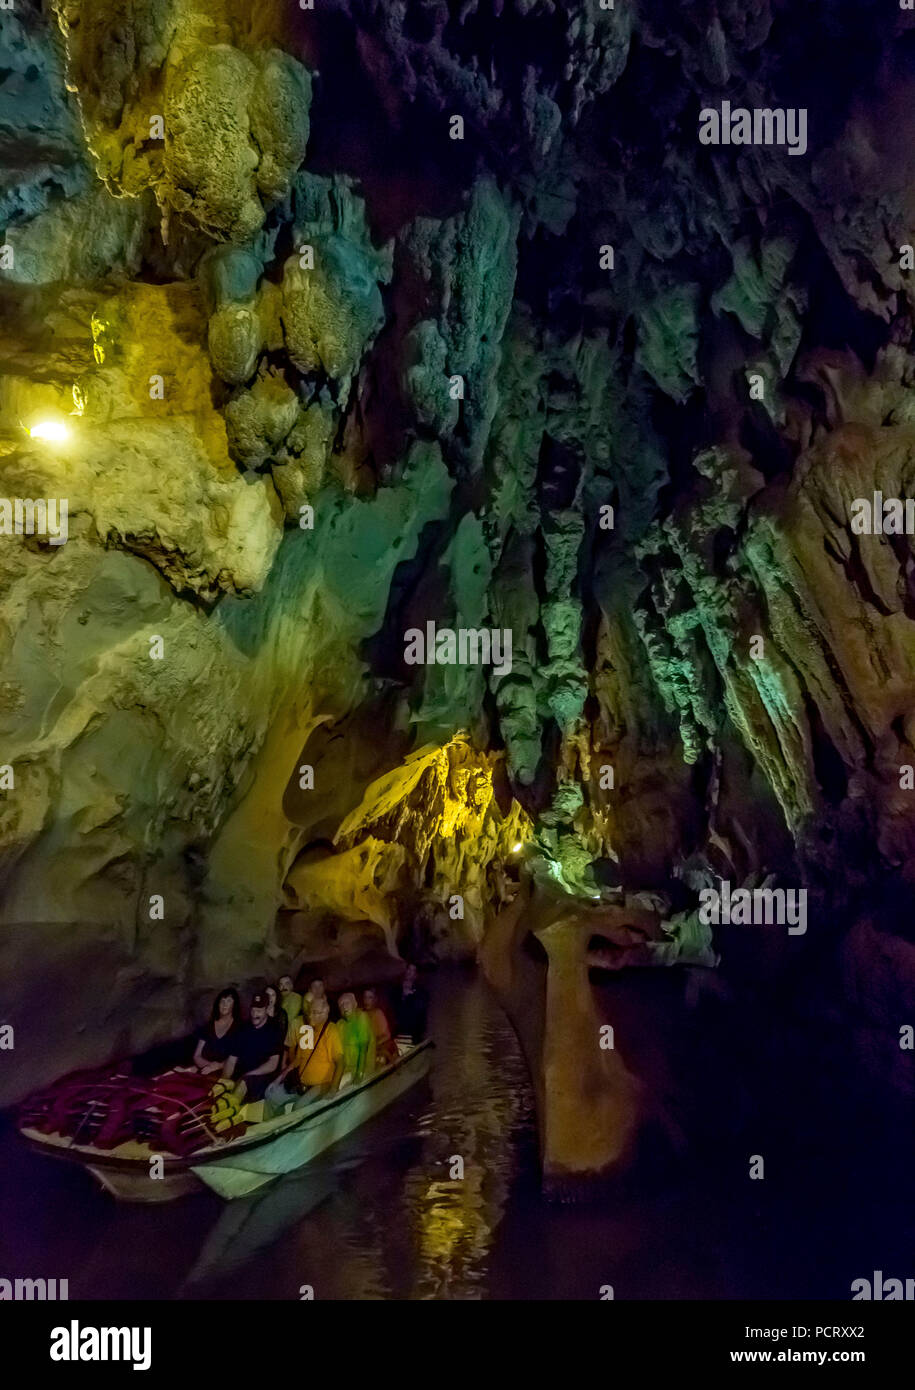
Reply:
x=357, y=1037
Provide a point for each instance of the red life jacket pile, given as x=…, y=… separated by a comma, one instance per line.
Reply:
x=170, y=1113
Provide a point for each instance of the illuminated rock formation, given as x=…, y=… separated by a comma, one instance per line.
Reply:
x=428, y=835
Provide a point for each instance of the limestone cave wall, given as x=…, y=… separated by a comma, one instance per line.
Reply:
x=330, y=322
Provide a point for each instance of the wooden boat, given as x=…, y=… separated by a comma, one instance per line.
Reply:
x=239, y=1166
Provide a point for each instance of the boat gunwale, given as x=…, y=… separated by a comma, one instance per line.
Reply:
x=175, y=1164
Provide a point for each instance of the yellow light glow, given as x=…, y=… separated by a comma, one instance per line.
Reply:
x=52, y=431
x=517, y=847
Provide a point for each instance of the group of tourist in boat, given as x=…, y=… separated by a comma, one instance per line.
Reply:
x=291, y=1051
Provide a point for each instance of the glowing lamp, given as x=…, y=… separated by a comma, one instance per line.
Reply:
x=52, y=431
x=517, y=847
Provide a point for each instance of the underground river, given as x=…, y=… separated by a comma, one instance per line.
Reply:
x=379, y=1216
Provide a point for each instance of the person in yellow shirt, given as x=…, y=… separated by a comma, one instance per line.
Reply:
x=318, y=1064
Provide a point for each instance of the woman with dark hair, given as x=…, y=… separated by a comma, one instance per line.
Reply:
x=217, y=1036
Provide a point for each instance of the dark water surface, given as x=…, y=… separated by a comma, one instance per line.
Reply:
x=379, y=1217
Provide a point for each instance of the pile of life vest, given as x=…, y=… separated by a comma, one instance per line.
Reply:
x=225, y=1109
x=177, y=1113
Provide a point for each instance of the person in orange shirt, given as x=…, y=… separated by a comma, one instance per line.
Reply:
x=385, y=1046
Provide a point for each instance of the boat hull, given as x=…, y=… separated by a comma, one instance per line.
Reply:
x=265, y=1153
x=324, y=1125
x=128, y=1186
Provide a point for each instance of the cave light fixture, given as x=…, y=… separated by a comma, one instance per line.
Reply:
x=51, y=430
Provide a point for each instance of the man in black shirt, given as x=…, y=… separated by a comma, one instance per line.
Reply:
x=412, y=1006
x=257, y=1051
